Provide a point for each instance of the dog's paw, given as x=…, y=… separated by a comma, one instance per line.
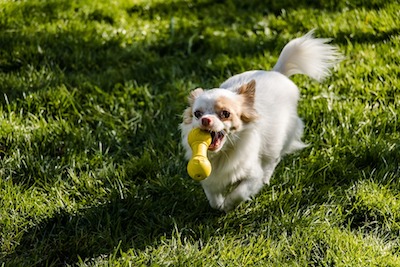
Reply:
x=266, y=179
x=217, y=203
x=228, y=209
x=230, y=205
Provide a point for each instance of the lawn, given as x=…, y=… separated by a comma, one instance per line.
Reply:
x=91, y=167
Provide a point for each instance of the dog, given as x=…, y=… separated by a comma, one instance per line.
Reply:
x=252, y=118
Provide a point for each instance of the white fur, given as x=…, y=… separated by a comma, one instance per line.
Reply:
x=249, y=155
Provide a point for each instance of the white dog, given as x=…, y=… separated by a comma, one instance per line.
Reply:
x=253, y=120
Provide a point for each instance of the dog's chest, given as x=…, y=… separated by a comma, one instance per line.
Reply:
x=233, y=166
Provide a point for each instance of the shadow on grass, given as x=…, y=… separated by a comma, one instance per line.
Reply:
x=238, y=7
x=153, y=211
x=74, y=57
x=135, y=222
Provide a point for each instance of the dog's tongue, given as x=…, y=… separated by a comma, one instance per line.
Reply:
x=216, y=140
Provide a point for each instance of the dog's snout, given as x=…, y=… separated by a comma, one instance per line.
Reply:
x=206, y=121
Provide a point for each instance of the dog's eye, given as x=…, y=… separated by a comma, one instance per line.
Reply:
x=225, y=114
x=198, y=114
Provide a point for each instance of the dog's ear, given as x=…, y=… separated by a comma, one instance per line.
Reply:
x=248, y=91
x=194, y=94
x=187, y=114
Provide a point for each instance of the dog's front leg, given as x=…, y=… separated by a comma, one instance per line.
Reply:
x=215, y=197
x=269, y=165
x=244, y=191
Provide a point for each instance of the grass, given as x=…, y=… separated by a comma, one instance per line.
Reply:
x=92, y=172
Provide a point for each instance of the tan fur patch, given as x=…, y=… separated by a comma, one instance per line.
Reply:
x=194, y=94
x=233, y=107
x=187, y=115
x=248, y=92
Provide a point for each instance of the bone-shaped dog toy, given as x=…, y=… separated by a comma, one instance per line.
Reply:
x=199, y=167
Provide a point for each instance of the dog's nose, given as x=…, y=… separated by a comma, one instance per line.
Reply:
x=206, y=121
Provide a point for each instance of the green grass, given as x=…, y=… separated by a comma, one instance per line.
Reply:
x=91, y=169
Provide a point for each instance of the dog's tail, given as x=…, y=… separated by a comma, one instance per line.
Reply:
x=308, y=55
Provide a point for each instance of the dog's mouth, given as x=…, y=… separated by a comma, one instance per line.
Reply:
x=217, y=138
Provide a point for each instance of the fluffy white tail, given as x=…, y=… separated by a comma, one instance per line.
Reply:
x=308, y=55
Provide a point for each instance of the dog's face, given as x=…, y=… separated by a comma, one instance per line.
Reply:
x=221, y=112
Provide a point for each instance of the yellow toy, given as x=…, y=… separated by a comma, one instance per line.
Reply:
x=199, y=167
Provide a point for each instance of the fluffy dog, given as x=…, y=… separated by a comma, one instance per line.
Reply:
x=253, y=121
